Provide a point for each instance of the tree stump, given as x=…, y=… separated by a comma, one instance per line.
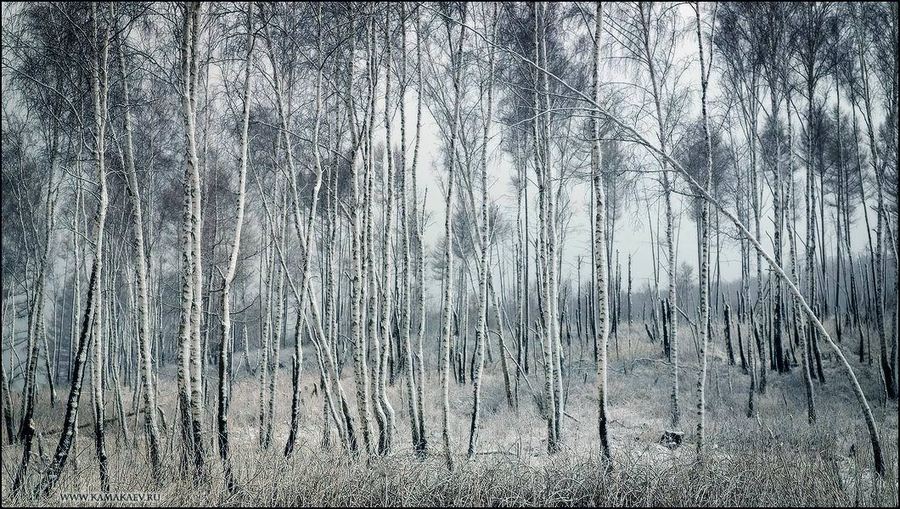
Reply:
x=671, y=439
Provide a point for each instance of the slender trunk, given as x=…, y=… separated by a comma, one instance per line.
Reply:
x=228, y=278
x=792, y=246
x=356, y=299
x=599, y=227
x=418, y=227
x=778, y=202
x=90, y=330
x=277, y=333
x=268, y=268
x=878, y=282
x=675, y=419
x=36, y=316
x=388, y=270
x=189, y=101
x=703, y=324
x=456, y=56
x=544, y=220
x=405, y=224
x=140, y=263
x=481, y=330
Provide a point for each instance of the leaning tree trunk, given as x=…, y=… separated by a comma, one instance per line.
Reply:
x=754, y=241
x=92, y=321
x=779, y=272
x=36, y=325
x=326, y=344
x=140, y=262
x=35, y=329
x=335, y=397
x=277, y=335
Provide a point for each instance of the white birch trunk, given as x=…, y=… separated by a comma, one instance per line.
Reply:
x=140, y=263
x=481, y=331
x=600, y=276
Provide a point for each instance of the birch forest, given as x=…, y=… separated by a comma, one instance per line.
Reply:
x=449, y=253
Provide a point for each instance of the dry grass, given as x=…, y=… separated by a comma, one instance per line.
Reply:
x=777, y=459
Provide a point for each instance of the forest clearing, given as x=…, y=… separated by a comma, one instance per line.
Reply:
x=449, y=254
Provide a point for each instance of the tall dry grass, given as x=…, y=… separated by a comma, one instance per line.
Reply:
x=775, y=459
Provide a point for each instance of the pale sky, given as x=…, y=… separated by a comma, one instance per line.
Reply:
x=632, y=233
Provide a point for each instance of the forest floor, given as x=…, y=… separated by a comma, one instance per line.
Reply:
x=774, y=459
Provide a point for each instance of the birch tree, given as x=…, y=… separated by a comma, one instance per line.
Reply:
x=359, y=356
x=456, y=52
x=140, y=264
x=600, y=277
x=649, y=39
x=92, y=320
x=481, y=330
x=36, y=302
x=407, y=222
x=704, y=243
x=743, y=231
x=228, y=277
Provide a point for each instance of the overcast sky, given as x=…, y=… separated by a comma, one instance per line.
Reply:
x=632, y=233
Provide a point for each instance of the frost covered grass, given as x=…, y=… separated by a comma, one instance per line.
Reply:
x=773, y=459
